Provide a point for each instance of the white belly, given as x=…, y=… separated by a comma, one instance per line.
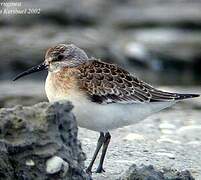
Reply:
x=99, y=117
x=104, y=117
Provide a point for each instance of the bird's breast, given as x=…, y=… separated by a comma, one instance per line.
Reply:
x=61, y=87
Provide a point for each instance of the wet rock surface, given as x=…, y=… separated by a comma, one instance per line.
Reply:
x=40, y=142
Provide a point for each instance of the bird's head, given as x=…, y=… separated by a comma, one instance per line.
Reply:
x=58, y=57
x=64, y=55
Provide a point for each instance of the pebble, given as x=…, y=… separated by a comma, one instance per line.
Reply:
x=30, y=162
x=136, y=50
x=54, y=165
x=168, y=140
x=133, y=136
x=195, y=143
x=167, y=131
x=190, y=132
x=167, y=154
x=167, y=126
x=188, y=129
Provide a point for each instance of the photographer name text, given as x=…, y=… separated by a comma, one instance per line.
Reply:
x=16, y=8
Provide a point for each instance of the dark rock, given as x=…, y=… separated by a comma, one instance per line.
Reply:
x=40, y=142
x=141, y=173
x=6, y=169
x=172, y=174
x=150, y=173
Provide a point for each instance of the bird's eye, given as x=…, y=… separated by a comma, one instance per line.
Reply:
x=60, y=56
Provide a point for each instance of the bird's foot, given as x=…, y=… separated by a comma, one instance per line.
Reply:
x=88, y=171
x=100, y=169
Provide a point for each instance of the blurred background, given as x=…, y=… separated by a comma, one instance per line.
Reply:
x=158, y=40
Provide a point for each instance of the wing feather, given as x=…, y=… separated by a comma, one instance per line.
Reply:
x=108, y=83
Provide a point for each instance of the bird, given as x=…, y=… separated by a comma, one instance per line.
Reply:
x=105, y=96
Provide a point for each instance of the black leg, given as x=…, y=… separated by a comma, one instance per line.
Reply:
x=105, y=146
x=99, y=144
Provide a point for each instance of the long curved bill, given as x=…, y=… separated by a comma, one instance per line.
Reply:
x=34, y=69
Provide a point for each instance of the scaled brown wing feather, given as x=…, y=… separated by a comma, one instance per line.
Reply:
x=108, y=83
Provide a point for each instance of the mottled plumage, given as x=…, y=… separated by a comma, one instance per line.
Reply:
x=108, y=83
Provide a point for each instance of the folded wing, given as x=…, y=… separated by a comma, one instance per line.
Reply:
x=108, y=83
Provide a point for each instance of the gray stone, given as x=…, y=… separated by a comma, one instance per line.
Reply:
x=40, y=142
x=141, y=173
x=150, y=173
x=173, y=174
x=6, y=168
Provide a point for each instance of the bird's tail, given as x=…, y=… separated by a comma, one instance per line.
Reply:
x=161, y=96
x=186, y=96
